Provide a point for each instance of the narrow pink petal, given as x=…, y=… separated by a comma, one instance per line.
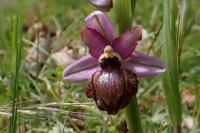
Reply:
x=94, y=40
x=142, y=70
x=103, y=5
x=82, y=76
x=101, y=23
x=125, y=44
x=146, y=59
x=144, y=65
x=80, y=70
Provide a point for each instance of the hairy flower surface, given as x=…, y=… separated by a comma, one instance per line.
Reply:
x=113, y=66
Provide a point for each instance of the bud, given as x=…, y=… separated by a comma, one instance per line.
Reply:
x=103, y=5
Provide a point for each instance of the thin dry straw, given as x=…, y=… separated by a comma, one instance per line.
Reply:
x=42, y=110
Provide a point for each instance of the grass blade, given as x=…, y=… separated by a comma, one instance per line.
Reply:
x=16, y=36
x=180, y=30
x=171, y=78
x=194, y=20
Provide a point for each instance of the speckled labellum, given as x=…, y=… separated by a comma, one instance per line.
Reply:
x=113, y=66
x=112, y=87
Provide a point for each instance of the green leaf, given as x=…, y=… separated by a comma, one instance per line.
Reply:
x=171, y=77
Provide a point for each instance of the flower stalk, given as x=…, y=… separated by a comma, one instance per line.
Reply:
x=133, y=116
x=124, y=13
x=133, y=6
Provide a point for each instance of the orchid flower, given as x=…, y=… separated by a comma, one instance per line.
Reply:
x=103, y=5
x=113, y=66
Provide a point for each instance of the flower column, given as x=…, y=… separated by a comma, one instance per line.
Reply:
x=124, y=16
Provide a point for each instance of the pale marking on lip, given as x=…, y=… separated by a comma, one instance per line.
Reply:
x=109, y=53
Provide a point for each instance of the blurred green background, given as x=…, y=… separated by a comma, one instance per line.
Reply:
x=46, y=104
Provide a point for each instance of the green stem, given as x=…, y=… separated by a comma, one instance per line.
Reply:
x=133, y=116
x=133, y=6
x=124, y=13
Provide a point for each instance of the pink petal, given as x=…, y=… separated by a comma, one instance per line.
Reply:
x=125, y=44
x=103, y=5
x=80, y=70
x=144, y=65
x=94, y=40
x=82, y=76
x=147, y=59
x=101, y=23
